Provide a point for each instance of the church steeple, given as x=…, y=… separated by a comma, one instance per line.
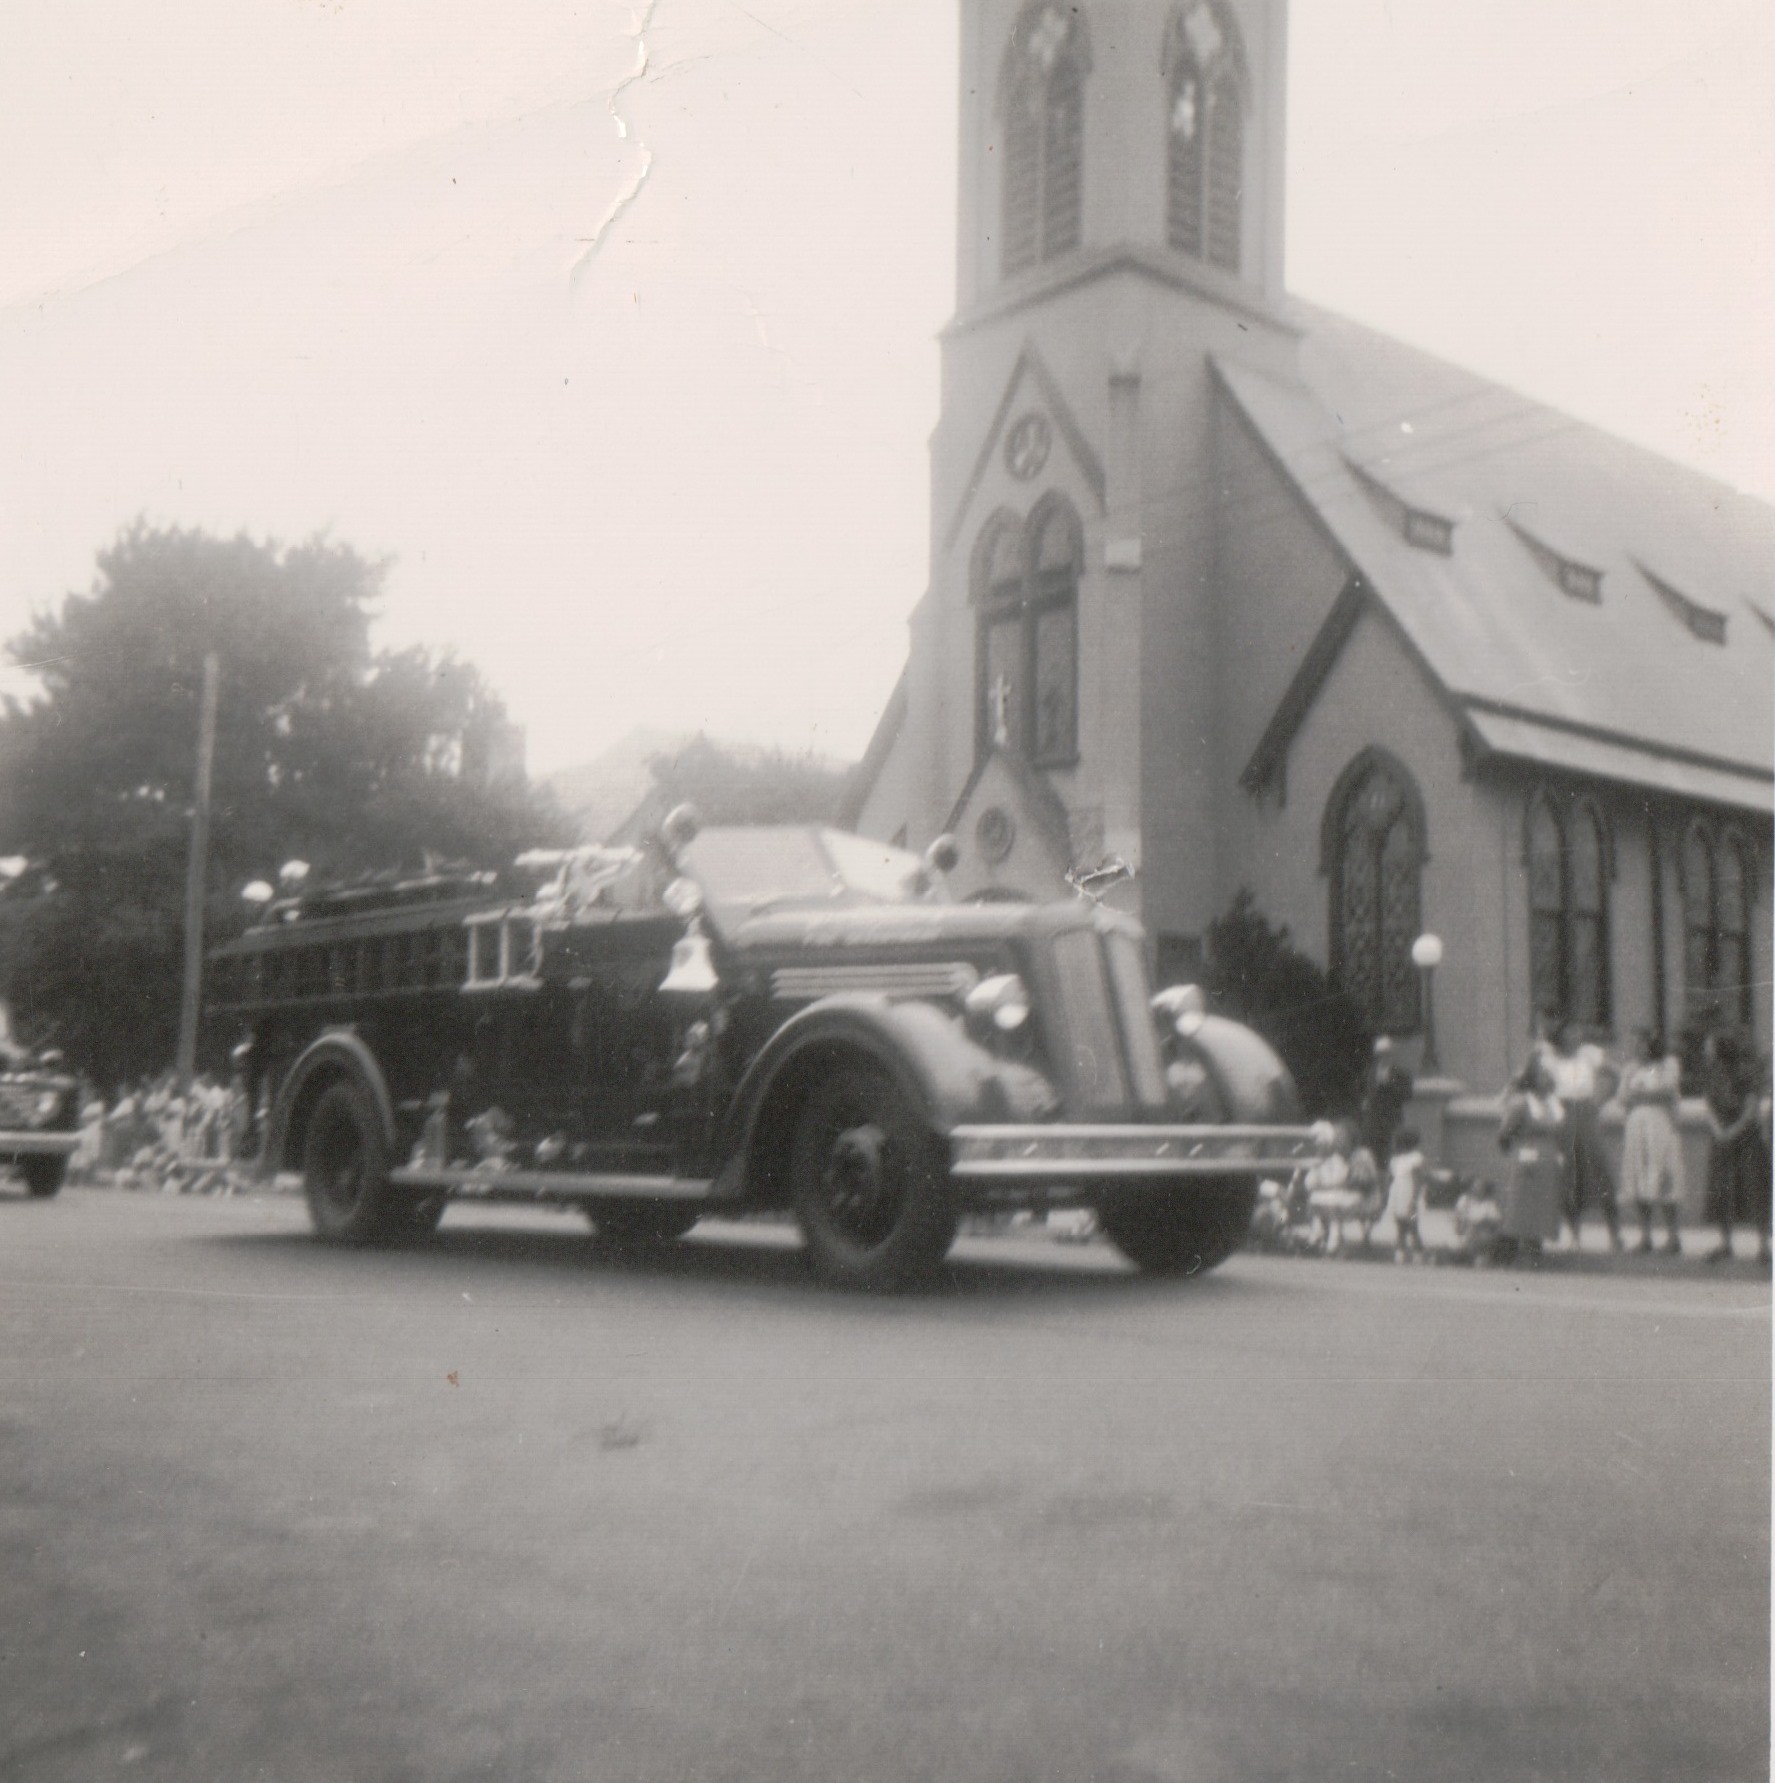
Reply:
x=1120, y=227
x=1092, y=127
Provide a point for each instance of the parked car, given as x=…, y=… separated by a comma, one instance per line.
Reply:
x=736, y=1019
x=38, y=1113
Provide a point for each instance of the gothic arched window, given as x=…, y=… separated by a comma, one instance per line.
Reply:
x=1566, y=853
x=1026, y=586
x=1042, y=104
x=1586, y=917
x=1716, y=923
x=1546, y=905
x=1205, y=167
x=1731, y=902
x=1374, y=855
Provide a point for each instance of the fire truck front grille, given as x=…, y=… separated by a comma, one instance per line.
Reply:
x=1091, y=1047
x=1109, y=1027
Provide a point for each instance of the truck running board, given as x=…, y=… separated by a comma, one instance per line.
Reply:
x=564, y=1185
x=37, y=1144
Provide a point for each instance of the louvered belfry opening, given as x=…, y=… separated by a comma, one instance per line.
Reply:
x=1043, y=113
x=1205, y=166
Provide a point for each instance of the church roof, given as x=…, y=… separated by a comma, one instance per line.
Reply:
x=1585, y=603
x=867, y=771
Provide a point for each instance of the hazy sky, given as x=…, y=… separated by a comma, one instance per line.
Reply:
x=633, y=377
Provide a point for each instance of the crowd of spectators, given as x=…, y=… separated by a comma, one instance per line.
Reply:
x=1370, y=1172
x=1552, y=1131
x=152, y=1136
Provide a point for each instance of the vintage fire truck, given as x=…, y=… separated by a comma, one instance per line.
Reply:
x=745, y=1019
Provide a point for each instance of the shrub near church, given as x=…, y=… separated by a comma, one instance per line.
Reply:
x=781, y=1017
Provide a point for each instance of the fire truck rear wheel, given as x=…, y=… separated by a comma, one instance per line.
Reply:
x=43, y=1174
x=870, y=1183
x=1180, y=1230
x=345, y=1170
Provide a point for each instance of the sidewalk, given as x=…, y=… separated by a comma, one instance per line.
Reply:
x=179, y=1176
x=1590, y=1255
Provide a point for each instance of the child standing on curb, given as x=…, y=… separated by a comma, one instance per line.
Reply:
x=1405, y=1195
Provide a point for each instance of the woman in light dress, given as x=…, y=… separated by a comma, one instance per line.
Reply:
x=1651, y=1146
x=1534, y=1132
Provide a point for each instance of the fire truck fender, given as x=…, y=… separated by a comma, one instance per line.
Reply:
x=1253, y=1083
x=338, y=1053
x=947, y=1077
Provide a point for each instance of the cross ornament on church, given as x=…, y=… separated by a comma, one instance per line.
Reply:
x=1049, y=38
x=1183, y=113
x=998, y=699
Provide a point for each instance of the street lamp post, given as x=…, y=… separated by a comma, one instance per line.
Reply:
x=1426, y=955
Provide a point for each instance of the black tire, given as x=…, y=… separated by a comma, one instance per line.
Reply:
x=641, y=1225
x=1181, y=1229
x=44, y=1174
x=870, y=1183
x=345, y=1171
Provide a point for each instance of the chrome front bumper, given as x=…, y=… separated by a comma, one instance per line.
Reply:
x=24, y=1143
x=1084, y=1154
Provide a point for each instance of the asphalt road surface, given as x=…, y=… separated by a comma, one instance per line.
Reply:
x=510, y=1508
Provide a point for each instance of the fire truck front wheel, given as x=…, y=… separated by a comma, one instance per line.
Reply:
x=1168, y=1232
x=44, y=1175
x=345, y=1170
x=870, y=1182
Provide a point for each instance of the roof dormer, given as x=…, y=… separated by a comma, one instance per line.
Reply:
x=1582, y=581
x=1707, y=623
x=1419, y=524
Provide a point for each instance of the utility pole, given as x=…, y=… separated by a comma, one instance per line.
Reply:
x=195, y=867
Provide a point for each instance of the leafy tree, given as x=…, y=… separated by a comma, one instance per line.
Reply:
x=1256, y=974
x=325, y=750
x=737, y=785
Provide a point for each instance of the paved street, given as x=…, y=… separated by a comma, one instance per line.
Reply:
x=513, y=1509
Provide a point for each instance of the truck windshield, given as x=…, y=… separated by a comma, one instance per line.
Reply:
x=743, y=870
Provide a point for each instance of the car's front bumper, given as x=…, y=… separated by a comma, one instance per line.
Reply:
x=23, y=1142
x=1011, y=1156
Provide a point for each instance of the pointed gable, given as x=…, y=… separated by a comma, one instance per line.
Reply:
x=1033, y=442
x=1011, y=830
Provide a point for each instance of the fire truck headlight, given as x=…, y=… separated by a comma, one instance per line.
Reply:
x=997, y=1005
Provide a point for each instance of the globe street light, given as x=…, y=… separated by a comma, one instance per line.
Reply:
x=1426, y=955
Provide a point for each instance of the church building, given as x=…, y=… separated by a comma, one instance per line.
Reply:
x=1251, y=596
